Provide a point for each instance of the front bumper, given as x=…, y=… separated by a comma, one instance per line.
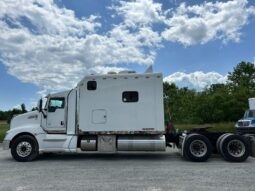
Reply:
x=6, y=144
x=244, y=130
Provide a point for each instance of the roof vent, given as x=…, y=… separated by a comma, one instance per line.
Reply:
x=127, y=72
x=111, y=72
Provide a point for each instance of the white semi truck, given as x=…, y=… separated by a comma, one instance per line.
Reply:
x=113, y=113
x=247, y=123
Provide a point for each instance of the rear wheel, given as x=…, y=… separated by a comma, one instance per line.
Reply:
x=197, y=148
x=24, y=148
x=235, y=148
x=219, y=141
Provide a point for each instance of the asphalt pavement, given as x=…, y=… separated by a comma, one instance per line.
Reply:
x=140, y=171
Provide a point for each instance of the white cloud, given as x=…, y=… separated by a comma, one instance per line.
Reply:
x=17, y=107
x=48, y=46
x=189, y=25
x=196, y=80
x=142, y=37
x=44, y=17
x=139, y=12
x=199, y=24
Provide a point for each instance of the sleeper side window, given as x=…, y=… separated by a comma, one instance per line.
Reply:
x=91, y=85
x=56, y=103
x=130, y=96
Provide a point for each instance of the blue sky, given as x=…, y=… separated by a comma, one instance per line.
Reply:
x=47, y=46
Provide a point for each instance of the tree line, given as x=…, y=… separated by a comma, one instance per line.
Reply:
x=7, y=115
x=216, y=103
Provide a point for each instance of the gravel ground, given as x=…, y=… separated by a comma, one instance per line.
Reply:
x=143, y=171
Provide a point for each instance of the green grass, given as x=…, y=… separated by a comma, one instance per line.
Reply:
x=215, y=127
x=3, y=128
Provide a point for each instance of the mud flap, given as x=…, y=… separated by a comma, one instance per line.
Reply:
x=252, y=141
x=251, y=138
x=182, y=140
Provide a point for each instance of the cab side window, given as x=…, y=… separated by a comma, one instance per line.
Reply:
x=56, y=103
x=91, y=85
x=130, y=96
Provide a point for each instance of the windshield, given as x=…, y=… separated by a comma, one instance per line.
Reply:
x=249, y=114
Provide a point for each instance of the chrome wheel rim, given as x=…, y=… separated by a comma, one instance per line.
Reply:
x=236, y=148
x=24, y=149
x=198, y=148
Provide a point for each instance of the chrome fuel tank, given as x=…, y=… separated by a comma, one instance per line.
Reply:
x=141, y=143
x=89, y=144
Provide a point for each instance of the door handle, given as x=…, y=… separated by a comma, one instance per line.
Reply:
x=62, y=123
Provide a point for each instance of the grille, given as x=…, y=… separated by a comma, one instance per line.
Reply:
x=243, y=123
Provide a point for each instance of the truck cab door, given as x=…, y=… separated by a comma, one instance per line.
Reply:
x=55, y=121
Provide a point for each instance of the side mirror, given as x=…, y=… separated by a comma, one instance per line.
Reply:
x=39, y=106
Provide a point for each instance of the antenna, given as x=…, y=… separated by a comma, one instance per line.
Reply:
x=253, y=76
x=149, y=69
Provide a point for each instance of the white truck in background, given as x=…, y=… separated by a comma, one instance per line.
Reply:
x=247, y=123
x=113, y=113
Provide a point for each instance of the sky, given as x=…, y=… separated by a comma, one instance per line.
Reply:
x=48, y=46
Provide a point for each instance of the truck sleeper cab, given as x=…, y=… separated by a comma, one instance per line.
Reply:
x=104, y=113
x=112, y=113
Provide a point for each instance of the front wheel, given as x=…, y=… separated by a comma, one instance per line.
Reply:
x=25, y=148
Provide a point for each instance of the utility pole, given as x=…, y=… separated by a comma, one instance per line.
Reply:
x=253, y=77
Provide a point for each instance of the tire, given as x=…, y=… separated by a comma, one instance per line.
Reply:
x=197, y=148
x=24, y=148
x=219, y=140
x=235, y=148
